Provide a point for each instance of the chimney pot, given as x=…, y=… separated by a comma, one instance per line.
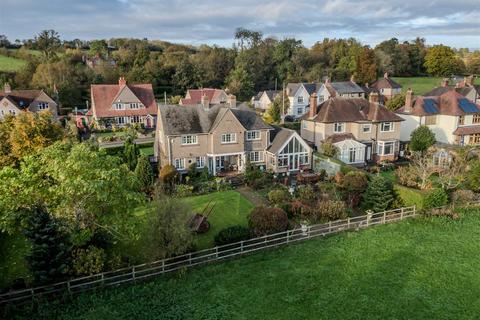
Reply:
x=122, y=82
x=205, y=101
x=7, y=88
x=373, y=98
x=313, y=105
x=385, y=75
x=409, y=101
x=352, y=78
x=327, y=81
x=232, y=101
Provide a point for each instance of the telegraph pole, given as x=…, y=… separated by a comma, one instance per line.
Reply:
x=282, y=118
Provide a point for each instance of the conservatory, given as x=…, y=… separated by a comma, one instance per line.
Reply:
x=351, y=151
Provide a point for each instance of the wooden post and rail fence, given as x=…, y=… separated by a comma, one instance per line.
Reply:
x=153, y=269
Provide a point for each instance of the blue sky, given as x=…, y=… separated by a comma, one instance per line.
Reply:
x=451, y=22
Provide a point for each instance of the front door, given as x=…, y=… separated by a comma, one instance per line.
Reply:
x=369, y=153
x=352, y=155
x=294, y=160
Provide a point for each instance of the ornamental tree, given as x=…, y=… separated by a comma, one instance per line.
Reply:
x=379, y=194
x=421, y=139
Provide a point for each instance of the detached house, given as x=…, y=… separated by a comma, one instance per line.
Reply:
x=207, y=98
x=264, y=99
x=299, y=96
x=15, y=101
x=223, y=138
x=121, y=104
x=386, y=87
x=466, y=88
x=453, y=118
x=362, y=130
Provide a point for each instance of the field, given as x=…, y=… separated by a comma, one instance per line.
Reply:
x=231, y=208
x=11, y=64
x=426, y=268
x=419, y=85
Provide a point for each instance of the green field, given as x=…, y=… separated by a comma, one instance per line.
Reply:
x=416, y=269
x=419, y=85
x=231, y=208
x=11, y=64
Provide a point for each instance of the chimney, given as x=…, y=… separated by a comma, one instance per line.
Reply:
x=205, y=101
x=327, y=81
x=122, y=82
x=385, y=75
x=445, y=82
x=7, y=88
x=469, y=81
x=373, y=97
x=352, y=78
x=232, y=101
x=408, y=101
x=313, y=105
x=367, y=85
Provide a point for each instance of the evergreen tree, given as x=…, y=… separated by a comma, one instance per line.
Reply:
x=49, y=258
x=379, y=194
x=144, y=173
x=421, y=139
x=130, y=153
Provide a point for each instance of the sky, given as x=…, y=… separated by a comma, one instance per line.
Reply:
x=450, y=22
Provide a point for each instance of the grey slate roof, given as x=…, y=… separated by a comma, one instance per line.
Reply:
x=346, y=87
x=310, y=87
x=179, y=120
x=278, y=137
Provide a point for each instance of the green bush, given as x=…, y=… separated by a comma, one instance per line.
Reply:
x=462, y=197
x=435, y=198
x=183, y=190
x=328, y=149
x=232, y=234
x=263, y=220
x=305, y=192
x=88, y=261
x=329, y=210
x=407, y=177
x=278, y=196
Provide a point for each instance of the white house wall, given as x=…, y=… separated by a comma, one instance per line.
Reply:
x=294, y=105
x=411, y=123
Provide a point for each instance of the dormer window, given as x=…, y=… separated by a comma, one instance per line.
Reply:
x=119, y=106
x=134, y=105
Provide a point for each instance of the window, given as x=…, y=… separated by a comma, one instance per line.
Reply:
x=134, y=105
x=476, y=118
x=321, y=98
x=12, y=112
x=386, y=127
x=256, y=156
x=366, y=128
x=475, y=138
x=253, y=135
x=300, y=99
x=200, y=162
x=304, y=159
x=134, y=119
x=229, y=138
x=283, y=161
x=304, y=124
x=386, y=148
x=299, y=111
x=42, y=105
x=179, y=163
x=119, y=106
x=461, y=120
x=339, y=127
x=120, y=120
x=429, y=120
x=189, y=139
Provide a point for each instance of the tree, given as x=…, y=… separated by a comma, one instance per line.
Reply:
x=422, y=167
x=421, y=139
x=98, y=48
x=329, y=150
x=240, y=83
x=144, y=173
x=26, y=134
x=264, y=221
x=441, y=61
x=354, y=184
x=130, y=153
x=277, y=108
x=379, y=194
x=366, y=67
x=169, y=175
x=473, y=63
x=396, y=102
x=166, y=232
x=48, y=42
x=48, y=259
x=473, y=177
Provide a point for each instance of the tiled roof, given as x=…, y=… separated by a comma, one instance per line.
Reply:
x=466, y=130
x=195, y=95
x=278, y=137
x=346, y=87
x=337, y=137
x=448, y=103
x=292, y=88
x=103, y=96
x=385, y=83
x=352, y=110
x=21, y=98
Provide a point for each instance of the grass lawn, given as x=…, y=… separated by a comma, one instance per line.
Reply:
x=410, y=196
x=419, y=85
x=416, y=269
x=11, y=64
x=110, y=134
x=148, y=151
x=231, y=208
x=13, y=249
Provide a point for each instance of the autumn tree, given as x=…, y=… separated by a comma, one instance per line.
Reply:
x=366, y=67
x=440, y=60
x=48, y=42
x=396, y=102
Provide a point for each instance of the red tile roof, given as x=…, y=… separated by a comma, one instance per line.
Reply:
x=194, y=96
x=462, y=131
x=103, y=96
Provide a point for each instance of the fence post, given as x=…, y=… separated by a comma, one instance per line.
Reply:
x=288, y=236
x=163, y=266
x=348, y=223
x=190, y=258
x=329, y=226
x=308, y=231
x=133, y=273
x=414, y=209
x=241, y=246
x=384, y=216
x=401, y=214
x=103, y=280
x=68, y=287
x=216, y=252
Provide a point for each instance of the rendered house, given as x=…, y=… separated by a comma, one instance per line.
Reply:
x=453, y=118
x=208, y=97
x=386, y=87
x=299, y=97
x=15, y=101
x=121, y=104
x=344, y=89
x=264, y=99
x=466, y=88
x=363, y=130
x=222, y=138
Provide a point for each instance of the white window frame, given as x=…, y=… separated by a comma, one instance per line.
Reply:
x=256, y=156
x=300, y=99
x=189, y=139
x=119, y=106
x=381, y=148
x=42, y=105
x=134, y=105
x=339, y=124
x=304, y=124
x=299, y=111
x=200, y=162
x=383, y=124
x=135, y=119
x=121, y=120
x=227, y=138
x=179, y=163
x=367, y=125
x=253, y=135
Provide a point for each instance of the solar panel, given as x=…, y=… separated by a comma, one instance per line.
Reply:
x=430, y=106
x=467, y=106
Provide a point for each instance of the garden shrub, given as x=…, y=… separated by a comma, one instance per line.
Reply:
x=346, y=169
x=305, y=192
x=406, y=177
x=435, y=198
x=169, y=174
x=379, y=194
x=328, y=149
x=263, y=220
x=443, y=212
x=88, y=261
x=278, y=196
x=232, y=234
x=339, y=178
x=461, y=197
x=354, y=184
x=221, y=184
x=329, y=210
x=183, y=190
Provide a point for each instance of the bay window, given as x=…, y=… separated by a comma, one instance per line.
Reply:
x=385, y=148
